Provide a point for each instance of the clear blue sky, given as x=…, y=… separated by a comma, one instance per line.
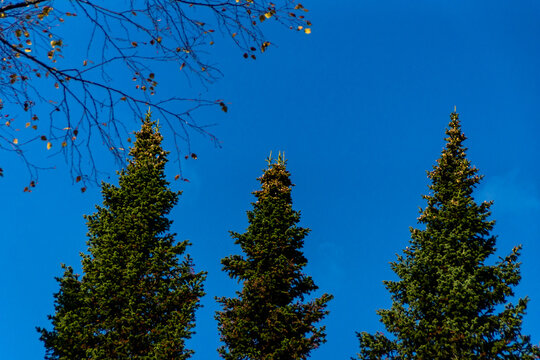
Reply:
x=359, y=107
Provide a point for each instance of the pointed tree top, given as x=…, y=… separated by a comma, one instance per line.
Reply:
x=275, y=180
x=147, y=147
x=269, y=159
x=280, y=160
x=453, y=170
x=454, y=132
x=148, y=115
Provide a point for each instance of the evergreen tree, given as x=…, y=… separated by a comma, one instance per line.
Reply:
x=136, y=298
x=449, y=303
x=268, y=319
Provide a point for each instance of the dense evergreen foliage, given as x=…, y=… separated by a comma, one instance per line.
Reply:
x=137, y=297
x=268, y=319
x=449, y=302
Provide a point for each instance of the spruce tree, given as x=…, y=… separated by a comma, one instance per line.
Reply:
x=450, y=302
x=269, y=319
x=137, y=297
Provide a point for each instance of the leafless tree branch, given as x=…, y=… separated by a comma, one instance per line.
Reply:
x=75, y=100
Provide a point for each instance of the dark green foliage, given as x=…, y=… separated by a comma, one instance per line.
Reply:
x=269, y=319
x=136, y=298
x=448, y=303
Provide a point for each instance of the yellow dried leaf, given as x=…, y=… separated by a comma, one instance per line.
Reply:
x=264, y=46
x=307, y=30
x=15, y=141
x=49, y=145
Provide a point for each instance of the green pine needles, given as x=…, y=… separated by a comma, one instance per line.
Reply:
x=448, y=303
x=268, y=319
x=136, y=298
x=138, y=293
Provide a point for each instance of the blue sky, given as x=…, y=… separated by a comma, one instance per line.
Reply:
x=359, y=107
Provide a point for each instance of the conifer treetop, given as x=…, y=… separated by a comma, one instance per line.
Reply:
x=270, y=318
x=280, y=160
x=448, y=303
x=453, y=169
x=147, y=147
x=137, y=297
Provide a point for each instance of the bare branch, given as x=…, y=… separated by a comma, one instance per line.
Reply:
x=73, y=108
x=6, y=8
